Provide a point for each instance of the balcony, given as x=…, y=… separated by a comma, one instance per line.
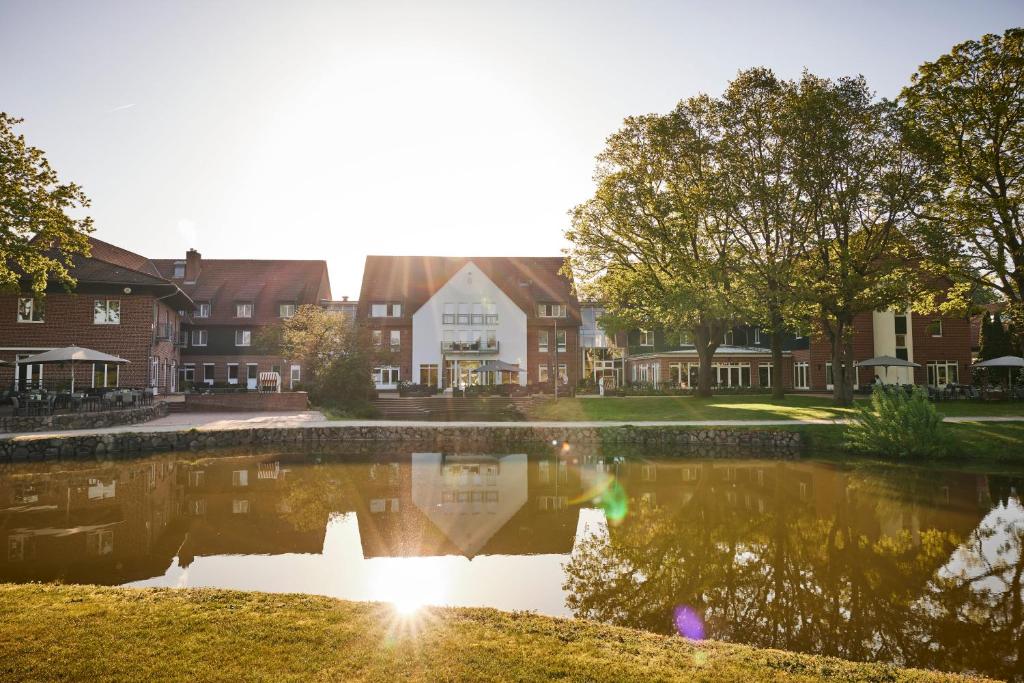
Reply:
x=481, y=346
x=166, y=331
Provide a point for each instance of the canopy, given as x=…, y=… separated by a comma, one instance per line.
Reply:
x=1002, y=362
x=497, y=366
x=887, y=362
x=72, y=354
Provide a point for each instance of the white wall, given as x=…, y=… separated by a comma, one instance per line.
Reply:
x=884, y=329
x=469, y=285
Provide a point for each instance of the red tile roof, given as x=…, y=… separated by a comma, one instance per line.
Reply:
x=412, y=280
x=264, y=283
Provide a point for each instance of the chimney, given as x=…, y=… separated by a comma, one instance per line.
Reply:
x=344, y=298
x=193, y=264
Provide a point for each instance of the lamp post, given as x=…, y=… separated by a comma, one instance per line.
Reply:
x=555, y=373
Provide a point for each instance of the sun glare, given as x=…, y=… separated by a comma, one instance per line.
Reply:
x=409, y=583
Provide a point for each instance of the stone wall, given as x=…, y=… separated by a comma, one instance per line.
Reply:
x=711, y=442
x=84, y=420
x=246, y=401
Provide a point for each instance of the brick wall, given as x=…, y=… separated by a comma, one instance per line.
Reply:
x=69, y=320
x=953, y=345
x=264, y=363
x=535, y=357
x=247, y=401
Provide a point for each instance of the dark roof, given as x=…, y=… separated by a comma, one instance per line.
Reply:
x=264, y=283
x=412, y=280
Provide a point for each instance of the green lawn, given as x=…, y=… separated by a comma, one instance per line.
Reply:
x=753, y=407
x=54, y=632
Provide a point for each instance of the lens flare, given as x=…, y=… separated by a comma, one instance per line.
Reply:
x=688, y=623
x=614, y=502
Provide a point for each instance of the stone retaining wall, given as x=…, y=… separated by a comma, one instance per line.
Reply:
x=718, y=442
x=85, y=420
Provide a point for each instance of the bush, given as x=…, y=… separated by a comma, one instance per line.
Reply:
x=898, y=424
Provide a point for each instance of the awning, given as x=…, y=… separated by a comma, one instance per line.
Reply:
x=72, y=354
x=497, y=366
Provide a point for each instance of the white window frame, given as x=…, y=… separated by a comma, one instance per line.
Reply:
x=209, y=379
x=561, y=340
x=243, y=310
x=28, y=304
x=111, y=315
x=771, y=374
x=203, y=309
x=396, y=339
x=937, y=321
x=106, y=375
x=203, y=337
x=801, y=371
x=377, y=337
x=542, y=341
x=542, y=373
x=551, y=310
x=286, y=310
x=239, y=478
x=235, y=367
x=295, y=376
x=646, y=338
x=246, y=338
x=932, y=372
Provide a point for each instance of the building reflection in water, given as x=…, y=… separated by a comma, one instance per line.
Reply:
x=907, y=565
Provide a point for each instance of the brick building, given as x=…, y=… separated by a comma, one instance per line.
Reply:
x=234, y=299
x=122, y=305
x=437, y=319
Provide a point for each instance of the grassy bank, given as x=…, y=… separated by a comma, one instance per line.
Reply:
x=753, y=407
x=87, y=633
x=989, y=441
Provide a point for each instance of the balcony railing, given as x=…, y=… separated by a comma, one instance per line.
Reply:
x=481, y=346
x=469, y=319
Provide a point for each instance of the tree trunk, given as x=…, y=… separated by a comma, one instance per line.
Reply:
x=778, y=392
x=705, y=344
x=842, y=370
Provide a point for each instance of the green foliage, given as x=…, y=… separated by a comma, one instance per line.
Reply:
x=34, y=220
x=964, y=115
x=898, y=424
x=336, y=354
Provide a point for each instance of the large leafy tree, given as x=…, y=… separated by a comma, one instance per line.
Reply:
x=38, y=234
x=653, y=242
x=964, y=114
x=764, y=201
x=861, y=187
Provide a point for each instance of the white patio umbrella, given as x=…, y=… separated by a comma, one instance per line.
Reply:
x=886, y=362
x=1002, y=362
x=72, y=354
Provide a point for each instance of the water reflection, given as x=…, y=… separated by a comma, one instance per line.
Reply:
x=915, y=566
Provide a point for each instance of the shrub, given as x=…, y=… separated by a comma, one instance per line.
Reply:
x=898, y=424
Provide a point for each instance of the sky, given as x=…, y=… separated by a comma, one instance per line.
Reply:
x=333, y=130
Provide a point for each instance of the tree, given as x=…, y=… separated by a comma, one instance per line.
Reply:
x=764, y=202
x=652, y=244
x=964, y=114
x=34, y=220
x=861, y=187
x=335, y=352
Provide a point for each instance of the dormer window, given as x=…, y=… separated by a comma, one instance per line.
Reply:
x=646, y=338
x=551, y=310
x=179, y=270
x=203, y=310
x=385, y=310
x=243, y=310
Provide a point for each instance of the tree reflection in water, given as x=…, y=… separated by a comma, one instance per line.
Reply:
x=878, y=564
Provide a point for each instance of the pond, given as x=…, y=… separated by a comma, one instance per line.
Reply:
x=911, y=565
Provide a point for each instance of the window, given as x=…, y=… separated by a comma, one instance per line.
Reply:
x=935, y=328
x=943, y=372
x=800, y=375
x=179, y=269
x=491, y=340
x=563, y=373
x=286, y=310
x=728, y=338
x=396, y=310
x=646, y=338
x=377, y=337
x=478, y=314
x=901, y=337
x=232, y=373
x=240, y=507
x=448, y=317
x=203, y=310
x=828, y=376
x=296, y=375
x=396, y=339
x=188, y=372
x=199, y=337
x=243, y=337
x=386, y=375
x=463, y=314
x=208, y=372
x=243, y=310
x=542, y=341
x=764, y=374
x=428, y=375
x=757, y=336
x=240, y=478
x=106, y=312
x=99, y=542
x=542, y=373
x=30, y=310
x=104, y=375
x=385, y=310
x=551, y=310
x=196, y=478
x=560, y=340
x=491, y=314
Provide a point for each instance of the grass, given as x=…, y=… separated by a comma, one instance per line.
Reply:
x=753, y=407
x=88, y=633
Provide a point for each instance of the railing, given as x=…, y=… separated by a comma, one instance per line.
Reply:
x=481, y=346
x=168, y=331
x=469, y=319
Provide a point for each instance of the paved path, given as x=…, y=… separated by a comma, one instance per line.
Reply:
x=313, y=418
